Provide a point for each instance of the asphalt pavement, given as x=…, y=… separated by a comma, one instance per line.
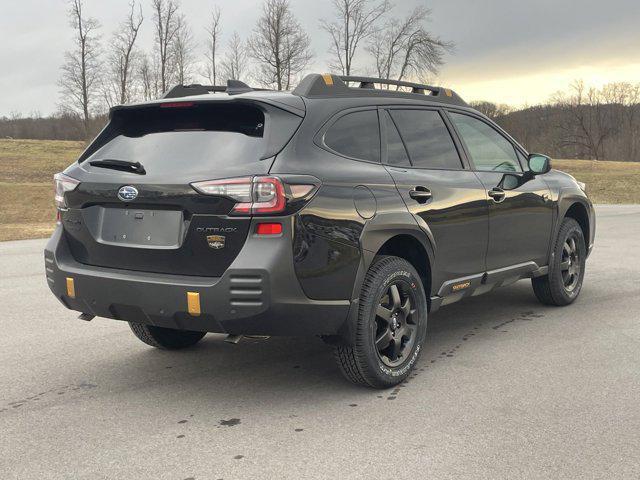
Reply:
x=506, y=389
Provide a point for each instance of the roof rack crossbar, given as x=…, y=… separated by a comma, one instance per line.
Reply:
x=369, y=82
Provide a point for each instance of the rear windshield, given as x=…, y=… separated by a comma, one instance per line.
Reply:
x=161, y=138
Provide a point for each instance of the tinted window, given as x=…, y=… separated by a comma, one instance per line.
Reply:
x=427, y=139
x=200, y=138
x=356, y=135
x=396, y=153
x=489, y=150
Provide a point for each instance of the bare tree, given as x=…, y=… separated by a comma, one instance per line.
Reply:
x=586, y=124
x=182, y=52
x=167, y=24
x=122, y=60
x=354, y=22
x=624, y=98
x=280, y=45
x=149, y=78
x=491, y=110
x=213, y=31
x=234, y=63
x=404, y=47
x=79, y=80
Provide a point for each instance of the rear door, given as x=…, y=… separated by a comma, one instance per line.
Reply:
x=520, y=210
x=150, y=218
x=424, y=161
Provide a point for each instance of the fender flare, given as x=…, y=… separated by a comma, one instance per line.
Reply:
x=383, y=227
x=375, y=234
x=567, y=198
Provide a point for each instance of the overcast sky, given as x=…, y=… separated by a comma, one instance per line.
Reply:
x=507, y=51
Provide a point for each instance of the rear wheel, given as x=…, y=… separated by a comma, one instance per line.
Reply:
x=391, y=326
x=165, y=338
x=563, y=283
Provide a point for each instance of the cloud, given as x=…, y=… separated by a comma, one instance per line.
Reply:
x=507, y=51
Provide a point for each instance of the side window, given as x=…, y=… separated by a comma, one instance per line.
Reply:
x=356, y=135
x=489, y=150
x=396, y=153
x=427, y=139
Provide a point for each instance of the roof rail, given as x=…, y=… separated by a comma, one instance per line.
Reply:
x=234, y=87
x=369, y=82
x=327, y=85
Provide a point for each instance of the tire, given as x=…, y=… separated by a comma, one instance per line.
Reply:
x=165, y=338
x=562, y=285
x=385, y=315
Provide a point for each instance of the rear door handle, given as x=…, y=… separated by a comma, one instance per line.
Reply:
x=497, y=194
x=420, y=194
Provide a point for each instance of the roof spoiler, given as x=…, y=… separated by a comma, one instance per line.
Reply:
x=234, y=87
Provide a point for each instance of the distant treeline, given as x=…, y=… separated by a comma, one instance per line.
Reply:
x=64, y=126
x=594, y=124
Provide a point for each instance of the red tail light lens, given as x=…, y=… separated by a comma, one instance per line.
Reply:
x=269, y=229
x=63, y=184
x=255, y=195
x=268, y=195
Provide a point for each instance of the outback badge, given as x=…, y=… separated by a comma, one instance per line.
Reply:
x=216, y=241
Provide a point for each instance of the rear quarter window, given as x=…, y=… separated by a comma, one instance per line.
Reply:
x=355, y=135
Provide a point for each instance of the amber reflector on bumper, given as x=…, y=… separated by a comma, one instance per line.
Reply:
x=71, y=288
x=193, y=303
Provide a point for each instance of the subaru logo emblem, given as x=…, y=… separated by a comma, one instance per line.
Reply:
x=127, y=193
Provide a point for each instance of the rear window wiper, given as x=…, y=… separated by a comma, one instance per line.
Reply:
x=122, y=165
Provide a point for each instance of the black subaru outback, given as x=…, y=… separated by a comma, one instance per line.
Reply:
x=339, y=209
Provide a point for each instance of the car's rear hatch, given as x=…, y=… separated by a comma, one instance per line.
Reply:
x=135, y=207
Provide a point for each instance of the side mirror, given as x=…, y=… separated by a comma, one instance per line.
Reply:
x=539, y=164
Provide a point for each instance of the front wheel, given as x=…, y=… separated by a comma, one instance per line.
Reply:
x=165, y=338
x=562, y=285
x=391, y=326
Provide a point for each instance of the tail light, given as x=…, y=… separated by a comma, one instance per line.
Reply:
x=257, y=195
x=63, y=184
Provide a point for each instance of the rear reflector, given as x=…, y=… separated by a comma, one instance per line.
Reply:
x=193, y=303
x=71, y=288
x=269, y=229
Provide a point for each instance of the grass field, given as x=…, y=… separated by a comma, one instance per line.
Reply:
x=26, y=185
x=27, y=168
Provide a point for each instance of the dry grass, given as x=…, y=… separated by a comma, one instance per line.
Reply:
x=27, y=168
x=26, y=185
x=607, y=182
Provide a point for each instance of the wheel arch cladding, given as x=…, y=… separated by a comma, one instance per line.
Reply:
x=408, y=247
x=579, y=213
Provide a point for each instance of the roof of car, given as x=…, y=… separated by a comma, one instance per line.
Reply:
x=313, y=86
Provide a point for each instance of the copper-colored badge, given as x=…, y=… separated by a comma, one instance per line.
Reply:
x=216, y=241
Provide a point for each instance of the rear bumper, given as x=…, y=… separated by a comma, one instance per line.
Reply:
x=258, y=294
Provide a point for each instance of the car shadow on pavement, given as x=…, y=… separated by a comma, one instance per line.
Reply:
x=287, y=373
x=303, y=368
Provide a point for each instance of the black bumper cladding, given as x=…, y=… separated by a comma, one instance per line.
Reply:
x=259, y=294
